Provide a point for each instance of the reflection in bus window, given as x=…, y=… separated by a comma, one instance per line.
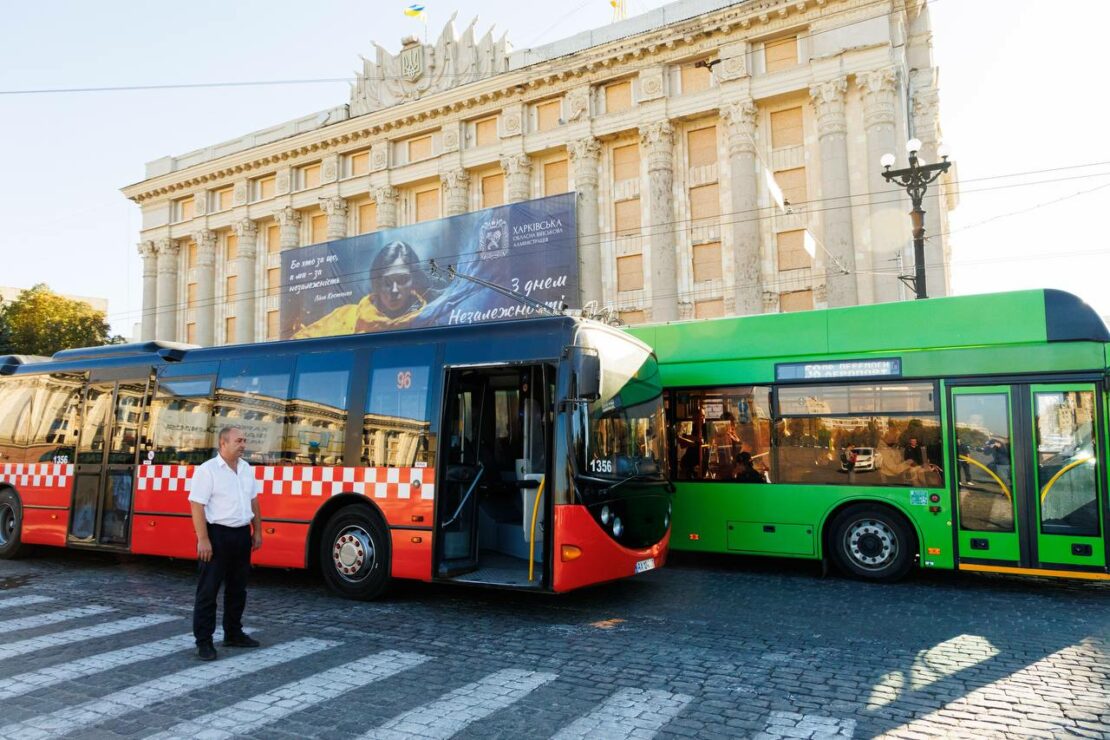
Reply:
x=98, y=408
x=15, y=408
x=984, y=457
x=317, y=422
x=253, y=394
x=180, y=421
x=1067, y=462
x=395, y=429
x=128, y=416
x=39, y=418
x=715, y=425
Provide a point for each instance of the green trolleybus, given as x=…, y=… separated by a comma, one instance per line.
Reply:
x=955, y=433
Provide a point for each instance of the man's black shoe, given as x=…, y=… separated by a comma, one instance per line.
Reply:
x=241, y=641
x=205, y=651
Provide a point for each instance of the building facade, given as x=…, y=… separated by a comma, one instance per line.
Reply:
x=677, y=129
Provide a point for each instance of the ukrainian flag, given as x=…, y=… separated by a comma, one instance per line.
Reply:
x=415, y=11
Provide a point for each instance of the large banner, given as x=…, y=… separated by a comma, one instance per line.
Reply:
x=383, y=281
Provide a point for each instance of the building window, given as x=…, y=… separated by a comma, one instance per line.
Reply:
x=555, y=178
x=630, y=272
x=618, y=97
x=273, y=281
x=705, y=203
x=273, y=239
x=191, y=295
x=183, y=209
x=367, y=217
x=628, y=217
x=626, y=162
x=232, y=247
x=798, y=300
x=427, y=205
x=190, y=333
x=358, y=163
x=263, y=188
x=702, y=147
x=713, y=309
x=780, y=53
x=549, y=115
x=485, y=131
x=229, y=329
x=420, y=148
x=792, y=251
x=694, y=78
x=793, y=185
x=273, y=325
x=786, y=128
x=493, y=190
x=308, y=177
x=318, y=228
x=633, y=317
x=707, y=261
x=231, y=287
x=190, y=255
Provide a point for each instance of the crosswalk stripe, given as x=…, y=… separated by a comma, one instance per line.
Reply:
x=106, y=629
x=160, y=689
x=447, y=716
x=263, y=709
x=23, y=601
x=41, y=620
x=626, y=714
x=792, y=725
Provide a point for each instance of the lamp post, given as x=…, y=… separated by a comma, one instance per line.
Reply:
x=915, y=179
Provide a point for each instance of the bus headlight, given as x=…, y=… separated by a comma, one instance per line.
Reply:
x=667, y=521
x=618, y=527
x=605, y=514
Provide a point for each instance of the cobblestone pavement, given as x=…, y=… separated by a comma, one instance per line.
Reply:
x=98, y=646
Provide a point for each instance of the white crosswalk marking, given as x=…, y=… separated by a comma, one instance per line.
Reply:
x=23, y=601
x=793, y=725
x=80, y=634
x=250, y=714
x=160, y=689
x=447, y=716
x=41, y=620
x=629, y=713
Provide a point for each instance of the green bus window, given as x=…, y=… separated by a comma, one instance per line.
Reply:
x=1067, y=462
x=984, y=462
x=888, y=398
x=714, y=425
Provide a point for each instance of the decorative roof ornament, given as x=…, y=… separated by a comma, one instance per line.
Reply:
x=421, y=69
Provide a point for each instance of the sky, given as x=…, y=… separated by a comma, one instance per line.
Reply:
x=1027, y=96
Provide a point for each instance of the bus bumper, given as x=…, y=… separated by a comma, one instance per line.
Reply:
x=602, y=558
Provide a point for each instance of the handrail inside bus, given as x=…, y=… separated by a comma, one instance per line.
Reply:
x=991, y=473
x=1061, y=471
x=532, y=533
x=473, y=485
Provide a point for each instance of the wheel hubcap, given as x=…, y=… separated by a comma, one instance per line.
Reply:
x=871, y=544
x=7, y=523
x=353, y=554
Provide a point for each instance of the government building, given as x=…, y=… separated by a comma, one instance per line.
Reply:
x=725, y=156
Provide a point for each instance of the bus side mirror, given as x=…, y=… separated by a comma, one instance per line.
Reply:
x=586, y=366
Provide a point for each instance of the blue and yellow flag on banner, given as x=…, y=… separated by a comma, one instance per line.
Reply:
x=414, y=11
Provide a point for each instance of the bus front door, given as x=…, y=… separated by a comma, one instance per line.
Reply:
x=107, y=453
x=1031, y=489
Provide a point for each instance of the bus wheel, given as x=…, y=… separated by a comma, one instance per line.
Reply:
x=11, y=524
x=872, y=543
x=354, y=554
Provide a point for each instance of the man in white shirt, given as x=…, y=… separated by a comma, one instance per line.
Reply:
x=224, y=502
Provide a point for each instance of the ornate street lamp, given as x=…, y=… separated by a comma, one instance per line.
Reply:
x=915, y=179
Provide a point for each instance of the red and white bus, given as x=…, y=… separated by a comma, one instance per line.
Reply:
x=522, y=454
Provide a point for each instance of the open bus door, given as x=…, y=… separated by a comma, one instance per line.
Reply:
x=115, y=407
x=1030, y=481
x=491, y=505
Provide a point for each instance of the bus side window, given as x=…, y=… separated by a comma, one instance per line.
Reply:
x=180, y=421
x=715, y=425
x=253, y=395
x=317, y=421
x=396, y=428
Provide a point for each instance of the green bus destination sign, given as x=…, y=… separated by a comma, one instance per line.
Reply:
x=884, y=368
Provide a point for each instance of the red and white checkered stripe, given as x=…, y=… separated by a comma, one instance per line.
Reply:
x=37, y=475
x=290, y=480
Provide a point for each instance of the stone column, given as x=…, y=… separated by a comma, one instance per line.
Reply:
x=585, y=155
x=289, y=221
x=832, y=132
x=925, y=106
x=166, y=323
x=336, y=208
x=456, y=192
x=247, y=231
x=890, y=229
x=657, y=141
x=386, y=197
x=206, y=286
x=740, y=118
x=518, y=177
x=149, y=254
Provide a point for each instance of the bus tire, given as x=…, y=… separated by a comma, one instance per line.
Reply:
x=872, y=543
x=11, y=525
x=354, y=554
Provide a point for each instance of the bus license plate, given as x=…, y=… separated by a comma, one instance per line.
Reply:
x=643, y=566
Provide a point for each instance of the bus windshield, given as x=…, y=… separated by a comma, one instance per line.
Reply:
x=620, y=435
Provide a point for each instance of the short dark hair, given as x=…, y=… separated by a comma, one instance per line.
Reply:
x=398, y=251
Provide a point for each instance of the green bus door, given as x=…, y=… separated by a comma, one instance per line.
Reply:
x=1031, y=492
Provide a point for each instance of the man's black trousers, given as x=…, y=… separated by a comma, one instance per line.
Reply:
x=230, y=565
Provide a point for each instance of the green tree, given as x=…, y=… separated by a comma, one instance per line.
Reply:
x=41, y=322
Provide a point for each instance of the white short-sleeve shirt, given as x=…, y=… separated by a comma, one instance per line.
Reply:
x=225, y=493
